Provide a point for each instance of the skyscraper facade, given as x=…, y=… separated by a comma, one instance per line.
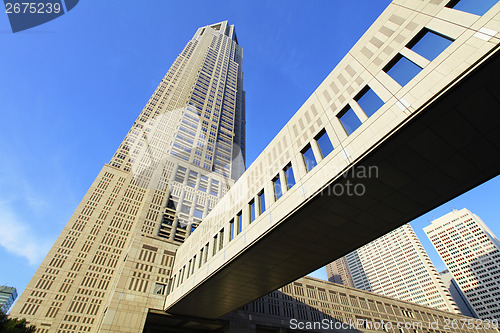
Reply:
x=396, y=265
x=457, y=294
x=338, y=272
x=112, y=261
x=471, y=253
x=7, y=297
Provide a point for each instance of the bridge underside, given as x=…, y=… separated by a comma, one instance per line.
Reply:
x=446, y=149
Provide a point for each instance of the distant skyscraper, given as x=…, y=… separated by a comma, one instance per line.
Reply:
x=338, y=272
x=7, y=297
x=457, y=294
x=471, y=253
x=112, y=261
x=396, y=265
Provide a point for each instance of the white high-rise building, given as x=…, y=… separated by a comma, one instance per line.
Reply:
x=471, y=253
x=396, y=265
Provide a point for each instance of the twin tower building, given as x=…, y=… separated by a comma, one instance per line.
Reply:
x=184, y=151
x=110, y=268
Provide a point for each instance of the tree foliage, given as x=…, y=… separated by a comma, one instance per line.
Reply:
x=14, y=325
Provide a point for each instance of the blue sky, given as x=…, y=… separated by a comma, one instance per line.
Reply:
x=71, y=88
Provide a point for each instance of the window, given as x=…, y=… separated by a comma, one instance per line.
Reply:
x=324, y=143
x=369, y=101
x=349, y=120
x=221, y=239
x=201, y=258
x=262, y=202
x=402, y=70
x=290, y=179
x=159, y=289
x=429, y=44
x=478, y=7
x=206, y=253
x=198, y=213
x=240, y=222
x=214, y=188
x=251, y=205
x=231, y=230
x=309, y=159
x=214, y=248
x=277, y=187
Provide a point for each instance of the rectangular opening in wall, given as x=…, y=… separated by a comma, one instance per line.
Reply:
x=221, y=239
x=262, y=202
x=194, y=264
x=215, y=246
x=324, y=143
x=251, y=206
x=214, y=188
x=240, y=222
x=198, y=213
x=277, y=187
x=478, y=7
x=206, y=253
x=429, y=44
x=402, y=70
x=349, y=120
x=231, y=230
x=188, y=268
x=290, y=178
x=201, y=258
x=369, y=101
x=309, y=159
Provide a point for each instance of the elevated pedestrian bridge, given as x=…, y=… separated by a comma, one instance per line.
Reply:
x=408, y=120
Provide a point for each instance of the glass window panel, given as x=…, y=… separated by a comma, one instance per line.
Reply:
x=262, y=202
x=402, y=70
x=277, y=187
x=221, y=239
x=429, y=44
x=198, y=213
x=290, y=178
x=349, y=120
x=369, y=101
x=478, y=7
x=214, y=247
x=231, y=230
x=240, y=222
x=309, y=159
x=252, y=210
x=324, y=143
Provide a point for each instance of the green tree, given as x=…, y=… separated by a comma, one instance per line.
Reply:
x=14, y=325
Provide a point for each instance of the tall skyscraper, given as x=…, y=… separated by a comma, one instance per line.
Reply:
x=396, y=265
x=7, y=297
x=338, y=272
x=457, y=294
x=112, y=261
x=471, y=253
